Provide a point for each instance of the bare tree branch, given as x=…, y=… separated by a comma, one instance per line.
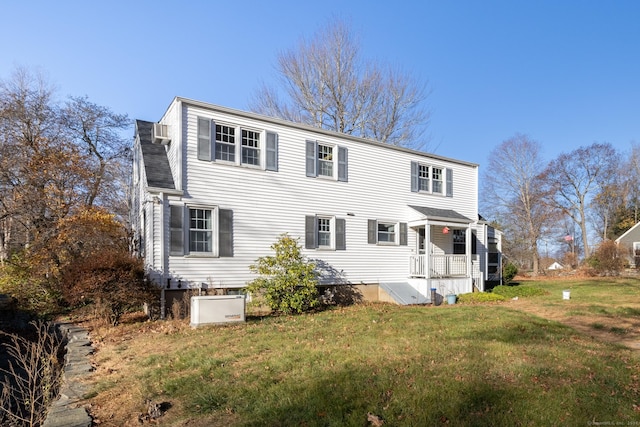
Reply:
x=323, y=82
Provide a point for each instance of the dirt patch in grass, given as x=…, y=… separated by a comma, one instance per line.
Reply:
x=600, y=325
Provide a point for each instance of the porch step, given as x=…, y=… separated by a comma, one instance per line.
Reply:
x=403, y=293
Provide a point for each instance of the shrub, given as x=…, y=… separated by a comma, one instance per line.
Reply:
x=518, y=291
x=33, y=375
x=288, y=281
x=479, y=297
x=33, y=292
x=608, y=260
x=509, y=271
x=112, y=280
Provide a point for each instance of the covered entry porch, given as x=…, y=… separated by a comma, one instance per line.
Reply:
x=444, y=255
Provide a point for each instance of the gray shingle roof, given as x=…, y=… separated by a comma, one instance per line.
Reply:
x=156, y=163
x=442, y=214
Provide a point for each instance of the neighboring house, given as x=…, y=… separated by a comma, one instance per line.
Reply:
x=214, y=188
x=630, y=241
x=555, y=266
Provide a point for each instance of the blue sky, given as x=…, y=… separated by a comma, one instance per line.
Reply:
x=567, y=73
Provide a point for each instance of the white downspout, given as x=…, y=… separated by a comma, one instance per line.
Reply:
x=163, y=274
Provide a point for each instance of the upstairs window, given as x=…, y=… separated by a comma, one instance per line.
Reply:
x=431, y=179
x=250, y=147
x=322, y=161
x=436, y=176
x=423, y=178
x=325, y=160
x=225, y=143
x=218, y=142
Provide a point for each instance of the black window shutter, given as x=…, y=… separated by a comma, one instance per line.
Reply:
x=225, y=233
x=341, y=235
x=449, y=182
x=176, y=232
x=414, y=177
x=342, y=164
x=312, y=158
x=272, y=151
x=403, y=234
x=372, y=231
x=310, y=232
x=204, y=139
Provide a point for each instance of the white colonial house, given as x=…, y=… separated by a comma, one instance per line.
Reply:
x=213, y=188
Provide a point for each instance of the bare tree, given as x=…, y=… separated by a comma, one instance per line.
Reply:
x=54, y=160
x=325, y=83
x=574, y=178
x=513, y=193
x=97, y=132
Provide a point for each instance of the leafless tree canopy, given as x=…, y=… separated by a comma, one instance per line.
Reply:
x=324, y=82
x=513, y=192
x=574, y=178
x=54, y=159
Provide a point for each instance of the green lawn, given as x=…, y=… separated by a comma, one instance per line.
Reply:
x=463, y=365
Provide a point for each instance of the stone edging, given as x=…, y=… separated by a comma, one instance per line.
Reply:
x=77, y=367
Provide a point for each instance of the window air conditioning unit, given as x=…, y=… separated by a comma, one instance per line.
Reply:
x=160, y=134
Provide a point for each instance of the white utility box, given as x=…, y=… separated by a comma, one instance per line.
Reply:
x=213, y=309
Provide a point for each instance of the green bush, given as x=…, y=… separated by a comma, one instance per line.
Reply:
x=479, y=297
x=517, y=291
x=288, y=281
x=509, y=271
x=33, y=292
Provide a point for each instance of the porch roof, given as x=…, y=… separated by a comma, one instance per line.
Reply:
x=441, y=214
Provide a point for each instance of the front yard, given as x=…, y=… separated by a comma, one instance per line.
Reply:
x=501, y=364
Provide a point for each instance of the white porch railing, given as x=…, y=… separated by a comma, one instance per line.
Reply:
x=417, y=266
x=440, y=266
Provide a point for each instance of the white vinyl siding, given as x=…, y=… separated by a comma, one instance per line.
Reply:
x=267, y=204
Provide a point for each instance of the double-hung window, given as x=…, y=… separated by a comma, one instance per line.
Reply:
x=225, y=143
x=237, y=145
x=423, y=178
x=200, y=231
x=427, y=178
x=326, y=160
x=325, y=232
x=250, y=147
x=436, y=176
